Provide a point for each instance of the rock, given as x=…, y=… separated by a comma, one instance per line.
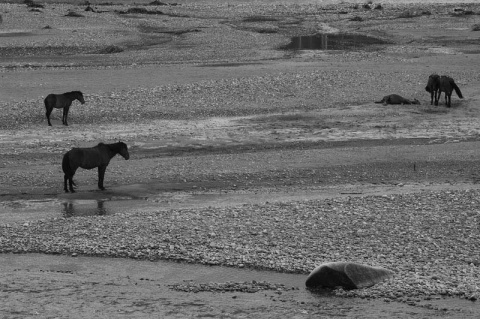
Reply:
x=74, y=14
x=157, y=3
x=346, y=275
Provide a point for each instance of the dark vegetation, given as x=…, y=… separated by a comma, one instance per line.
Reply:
x=257, y=18
x=408, y=14
x=74, y=14
x=137, y=10
x=356, y=18
x=32, y=4
x=110, y=50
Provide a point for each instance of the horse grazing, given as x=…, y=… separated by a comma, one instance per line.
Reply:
x=91, y=157
x=432, y=87
x=61, y=101
x=447, y=84
x=396, y=99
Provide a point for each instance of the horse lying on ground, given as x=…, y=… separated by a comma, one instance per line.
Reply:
x=88, y=158
x=61, y=101
x=432, y=87
x=447, y=84
x=396, y=99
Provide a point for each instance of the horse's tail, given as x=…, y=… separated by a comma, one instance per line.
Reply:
x=457, y=89
x=45, y=101
x=49, y=100
x=66, y=164
x=67, y=169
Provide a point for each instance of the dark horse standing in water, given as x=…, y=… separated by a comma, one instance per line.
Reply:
x=61, y=101
x=438, y=84
x=88, y=158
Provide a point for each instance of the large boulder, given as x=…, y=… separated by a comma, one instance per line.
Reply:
x=346, y=275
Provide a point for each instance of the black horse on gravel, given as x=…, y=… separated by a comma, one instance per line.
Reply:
x=91, y=157
x=61, y=101
x=438, y=84
x=447, y=85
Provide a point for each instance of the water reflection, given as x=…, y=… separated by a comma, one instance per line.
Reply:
x=77, y=208
x=310, y=42
x=332, y=41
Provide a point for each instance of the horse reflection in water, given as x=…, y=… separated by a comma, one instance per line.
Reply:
x=75, y=209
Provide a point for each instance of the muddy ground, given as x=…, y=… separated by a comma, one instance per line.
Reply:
x=217, y=113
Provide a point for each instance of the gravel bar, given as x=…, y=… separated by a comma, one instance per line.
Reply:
x=230, y=286
x=429, y=239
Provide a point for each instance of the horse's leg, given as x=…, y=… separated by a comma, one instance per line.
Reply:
x=65, y=179
x=101, y=175
x=437, y=96
x=65, y=115
x=432, y=93
x=47, y=113
x=49, y=106
x=71, y=184
x=70, y=180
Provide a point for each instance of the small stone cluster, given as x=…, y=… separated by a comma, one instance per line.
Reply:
x=229, y=286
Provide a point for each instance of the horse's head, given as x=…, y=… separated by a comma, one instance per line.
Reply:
x=433, y=80
x=123, y=150
x=79, y=96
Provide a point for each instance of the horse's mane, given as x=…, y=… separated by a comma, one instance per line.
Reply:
x=74, y=93
x=113, y=146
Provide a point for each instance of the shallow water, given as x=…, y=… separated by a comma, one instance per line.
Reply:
x=332, y=41
x=14, y=34
x=128, y=280
x=94, y=207
x=32, y=209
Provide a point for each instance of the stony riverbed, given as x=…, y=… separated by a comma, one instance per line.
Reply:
x=246, y=155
